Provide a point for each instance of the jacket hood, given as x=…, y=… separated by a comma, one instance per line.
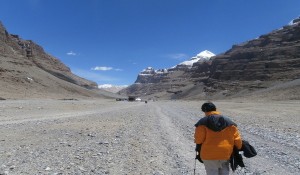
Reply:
x=215, y=122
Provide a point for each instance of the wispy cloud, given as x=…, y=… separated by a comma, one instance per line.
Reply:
x=102, y=68
x=132, y=62
x=105, y=68
x=177, y=56
x=71, y=53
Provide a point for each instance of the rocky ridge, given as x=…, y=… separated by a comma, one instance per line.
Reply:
x=26, y=67
x=267, y=61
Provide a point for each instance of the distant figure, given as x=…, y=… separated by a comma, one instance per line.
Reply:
x=146, y=101
x=215, y=137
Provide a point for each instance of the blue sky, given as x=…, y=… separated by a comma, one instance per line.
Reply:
x=111, y=41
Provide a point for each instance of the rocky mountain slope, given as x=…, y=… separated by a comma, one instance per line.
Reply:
x=267, y=62
x=27, y=71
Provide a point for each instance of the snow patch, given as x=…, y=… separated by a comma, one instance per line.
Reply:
x=201, y=57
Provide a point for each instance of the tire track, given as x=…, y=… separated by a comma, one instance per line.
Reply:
x=180, y=146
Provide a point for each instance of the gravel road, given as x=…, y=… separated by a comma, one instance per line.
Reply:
x=108, y=137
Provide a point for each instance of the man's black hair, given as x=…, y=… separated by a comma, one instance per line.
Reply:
x=207, y=107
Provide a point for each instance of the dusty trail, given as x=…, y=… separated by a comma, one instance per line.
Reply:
x=179, y=143
x=278, y=146
x=108, y=137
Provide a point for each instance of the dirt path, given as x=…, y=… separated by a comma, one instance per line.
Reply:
x=108, y=137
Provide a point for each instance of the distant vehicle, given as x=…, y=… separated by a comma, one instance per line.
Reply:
x=131, y=98
x=121, y=99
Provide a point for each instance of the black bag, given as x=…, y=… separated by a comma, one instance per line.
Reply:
x=236, y=159
x=248, y=149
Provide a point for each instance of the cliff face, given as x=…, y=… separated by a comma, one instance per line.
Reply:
x=25, y=64
x=275, y=56
x=258, y=64
x=253, y=65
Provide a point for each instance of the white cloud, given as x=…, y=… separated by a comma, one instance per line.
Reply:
x=177, y=56
x=102, y=68
x=132, y=62
x=105, y=68
x=71, y=53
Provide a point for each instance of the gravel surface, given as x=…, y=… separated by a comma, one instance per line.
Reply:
x=109, y=137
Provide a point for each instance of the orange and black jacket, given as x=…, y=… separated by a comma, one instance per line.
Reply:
x=217, y=135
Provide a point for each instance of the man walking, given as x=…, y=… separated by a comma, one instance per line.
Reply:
x=216, y=136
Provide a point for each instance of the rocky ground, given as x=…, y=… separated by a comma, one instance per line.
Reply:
x=109, y=137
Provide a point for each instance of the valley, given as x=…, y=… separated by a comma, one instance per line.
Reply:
x=109, y=137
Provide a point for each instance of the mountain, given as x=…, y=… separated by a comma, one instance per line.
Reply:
x=150, y=75
x=27, y=71
x=111, y=88
x=151, y=81
x=267, y=63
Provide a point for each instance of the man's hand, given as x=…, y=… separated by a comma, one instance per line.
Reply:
x=198, y=157
x=198, y=150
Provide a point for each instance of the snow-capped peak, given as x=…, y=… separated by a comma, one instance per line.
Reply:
x=206, y=54
x=112, y=88
x=148, y=69
x=295, y=21
x=201, y=57
x=104, y=86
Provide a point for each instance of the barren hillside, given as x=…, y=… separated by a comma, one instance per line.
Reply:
x=27, y=71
